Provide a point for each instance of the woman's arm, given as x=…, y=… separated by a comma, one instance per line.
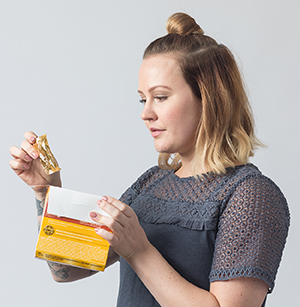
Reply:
x=171, y=289
x=167, y=286
x=26, y=165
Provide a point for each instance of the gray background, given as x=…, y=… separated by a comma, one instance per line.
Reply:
x=69, y=69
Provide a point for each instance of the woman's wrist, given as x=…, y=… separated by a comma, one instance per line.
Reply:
x=137, y=260
x=40, y=192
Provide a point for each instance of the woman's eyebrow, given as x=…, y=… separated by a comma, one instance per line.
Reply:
x=154, y=87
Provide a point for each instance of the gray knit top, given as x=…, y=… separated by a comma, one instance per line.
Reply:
x=209, y=229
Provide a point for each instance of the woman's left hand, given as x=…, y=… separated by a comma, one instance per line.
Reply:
x=127, y=238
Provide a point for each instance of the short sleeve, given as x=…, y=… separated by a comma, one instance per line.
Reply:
x=252, y=232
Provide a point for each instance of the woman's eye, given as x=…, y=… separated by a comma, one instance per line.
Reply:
x=143, y=101
x=160, y=98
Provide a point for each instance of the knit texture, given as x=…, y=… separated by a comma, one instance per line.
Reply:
x=245, y=210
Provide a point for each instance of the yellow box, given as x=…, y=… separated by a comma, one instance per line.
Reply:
x=68, y=239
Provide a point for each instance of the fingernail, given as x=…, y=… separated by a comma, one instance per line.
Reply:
x=32, y=139
x=25, y=166
x=104, y=198
x=93, y=214
x=28, y=158
x=34, y=154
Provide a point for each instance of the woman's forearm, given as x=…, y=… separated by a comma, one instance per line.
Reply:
x=167, y=286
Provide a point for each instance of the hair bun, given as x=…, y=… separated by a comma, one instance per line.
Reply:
x=182, y=24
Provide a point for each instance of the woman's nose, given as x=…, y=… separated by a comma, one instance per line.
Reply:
x=148, y=112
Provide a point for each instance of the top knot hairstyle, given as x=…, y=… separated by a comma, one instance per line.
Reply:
x=225, y=135
x=182, y=24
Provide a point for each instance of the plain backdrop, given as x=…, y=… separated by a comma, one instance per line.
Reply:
x=69, y=69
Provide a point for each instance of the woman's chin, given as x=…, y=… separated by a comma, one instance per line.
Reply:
x=163, y=150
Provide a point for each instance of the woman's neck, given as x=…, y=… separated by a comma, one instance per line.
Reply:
x=186, y=169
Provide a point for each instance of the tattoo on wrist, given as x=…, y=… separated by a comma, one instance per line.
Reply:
x=40, y=206
x=59, y=270
x=39, y=210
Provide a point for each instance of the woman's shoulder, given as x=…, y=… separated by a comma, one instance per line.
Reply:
x=249, y=175
x=251, y=186
x=246, y=181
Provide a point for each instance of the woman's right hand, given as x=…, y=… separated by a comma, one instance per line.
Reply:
x=26, y=164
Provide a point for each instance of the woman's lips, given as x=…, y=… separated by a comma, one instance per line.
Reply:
x=156, y=132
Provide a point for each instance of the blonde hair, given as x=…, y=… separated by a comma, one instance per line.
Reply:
x=226, y=128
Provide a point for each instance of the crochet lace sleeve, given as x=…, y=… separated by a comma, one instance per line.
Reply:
x=252, y=232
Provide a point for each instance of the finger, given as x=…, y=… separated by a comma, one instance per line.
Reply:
x=18, y=166
x=30, y=137
x=95, y=217
x=115, y=207
x=115, y=215
x=17, y=153
x=109, y=223
x=29, y=149
x=110, y=237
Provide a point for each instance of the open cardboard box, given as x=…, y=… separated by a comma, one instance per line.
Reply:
x=67, y=234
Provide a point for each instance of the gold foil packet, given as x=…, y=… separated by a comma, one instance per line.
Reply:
x=47, y=159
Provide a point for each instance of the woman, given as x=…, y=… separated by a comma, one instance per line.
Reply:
x=205, y=227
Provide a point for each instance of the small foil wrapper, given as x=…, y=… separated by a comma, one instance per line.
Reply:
x=47, y=159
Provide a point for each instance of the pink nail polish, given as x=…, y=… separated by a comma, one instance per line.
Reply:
x=93, y=214
x=34, y=154
x=28, y=158
x=25, y=166
x=104, y=198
